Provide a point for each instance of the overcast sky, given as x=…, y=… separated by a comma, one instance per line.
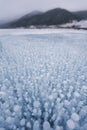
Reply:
x=10, y=9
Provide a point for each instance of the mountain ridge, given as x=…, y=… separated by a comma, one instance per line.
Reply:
x=55, y=16
x=81, y=14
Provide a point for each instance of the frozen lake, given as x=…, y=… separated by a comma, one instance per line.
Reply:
x=43, y=79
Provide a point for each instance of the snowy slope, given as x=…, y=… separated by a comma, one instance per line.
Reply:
x=43, y=81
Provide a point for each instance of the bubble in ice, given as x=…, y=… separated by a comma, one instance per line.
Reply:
x=71, y=124
x=43, y=82
x=75, y=117
x=22, y=122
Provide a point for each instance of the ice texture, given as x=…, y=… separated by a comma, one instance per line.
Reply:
x=43, y=81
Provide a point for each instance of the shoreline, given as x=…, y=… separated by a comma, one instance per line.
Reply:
x=31, y=28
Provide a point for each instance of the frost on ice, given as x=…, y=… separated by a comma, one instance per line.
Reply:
x=43, y=81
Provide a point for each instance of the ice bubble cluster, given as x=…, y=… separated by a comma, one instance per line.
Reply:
x=43, y=82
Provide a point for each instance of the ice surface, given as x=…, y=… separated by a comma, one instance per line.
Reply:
x=18, y=31
x=2, y=129
x=43, y=80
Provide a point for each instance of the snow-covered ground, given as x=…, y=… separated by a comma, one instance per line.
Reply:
x=43, y=80
x=21, y=31
x=80, y=24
